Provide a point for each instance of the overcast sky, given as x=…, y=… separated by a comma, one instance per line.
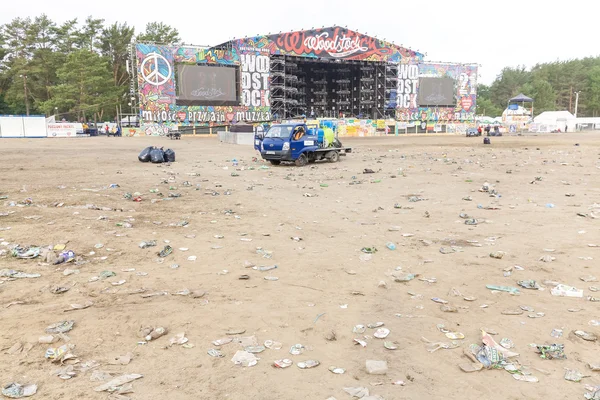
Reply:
x=491, y=33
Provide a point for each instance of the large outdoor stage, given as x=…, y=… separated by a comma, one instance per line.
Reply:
x=321, y=73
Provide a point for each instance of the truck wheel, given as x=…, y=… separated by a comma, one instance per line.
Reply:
x=334, y=156
x=275, y=162
x=302, y=160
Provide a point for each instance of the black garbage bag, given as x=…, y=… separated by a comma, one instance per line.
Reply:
x=169, y=155
x=145, y=154
x=157, y=156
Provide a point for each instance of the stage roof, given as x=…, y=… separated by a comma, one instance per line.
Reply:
x=334, y=42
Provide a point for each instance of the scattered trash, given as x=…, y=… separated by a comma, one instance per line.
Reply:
x=530, y=284
x=60, y=354
x=148, y=243
x=47, y=339
x=455, y=335
x=357, y=392
x=16, y=390
x=244, y=359
x=508, y=289
x=566, y=291
x=156, y=333
x=308, y=364
x=375, y=367
x=573, y=375
x=121, y=360
x=284, y=363
x=381, y=333
x=178, y=339
x=588, y=336
x=114, y=384
x=490, y=354
x=215, y=353
x=435, y=346
x=525, y=378
x=556, y=333
x=12, y=274
x=165, y=252
x=270, y=344
x=551, y=351
x=359, y=329
x=223, y=341
x=60, y=327
x=296, y=349
x=404, y=277
x=369, y=250
x=390, y=345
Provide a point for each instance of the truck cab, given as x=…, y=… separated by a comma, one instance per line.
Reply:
x=299, y=143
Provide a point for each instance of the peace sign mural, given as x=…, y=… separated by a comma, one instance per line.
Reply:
x=156, y=76
x=155, y=69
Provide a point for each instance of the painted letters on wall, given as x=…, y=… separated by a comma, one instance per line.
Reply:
x=255, y=80
x=408, y=82
x=334, y=42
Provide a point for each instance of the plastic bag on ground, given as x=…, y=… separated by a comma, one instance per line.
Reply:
x=16, y=391
x=144, y=155
x=169, y=155
x=157, y=156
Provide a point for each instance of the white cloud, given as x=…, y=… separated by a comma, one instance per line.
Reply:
x=492, y=33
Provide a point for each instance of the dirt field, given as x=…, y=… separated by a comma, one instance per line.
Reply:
x=326, y=283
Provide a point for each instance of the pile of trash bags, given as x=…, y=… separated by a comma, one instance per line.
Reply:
x=156, y=155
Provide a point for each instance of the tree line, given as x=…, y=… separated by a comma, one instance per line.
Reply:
x=78, y=71
x=553, y=87
x=74, y=70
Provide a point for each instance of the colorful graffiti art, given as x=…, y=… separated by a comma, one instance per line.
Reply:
x=334, y=42
x=465, y=92
x=162, y=99
x=157, y=85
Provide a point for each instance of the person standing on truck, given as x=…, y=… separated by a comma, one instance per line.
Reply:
x=299, y=133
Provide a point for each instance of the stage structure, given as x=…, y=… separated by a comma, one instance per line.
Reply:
x=319, y=73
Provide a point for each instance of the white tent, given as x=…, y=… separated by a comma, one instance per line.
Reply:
x=555, y=120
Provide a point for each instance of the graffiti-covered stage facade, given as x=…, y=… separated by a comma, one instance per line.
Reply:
x=330, y=72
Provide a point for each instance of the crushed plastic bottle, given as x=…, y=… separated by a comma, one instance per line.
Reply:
x=405, y=277
x=566, y=291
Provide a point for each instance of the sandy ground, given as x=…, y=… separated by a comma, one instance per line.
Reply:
x=323, y=283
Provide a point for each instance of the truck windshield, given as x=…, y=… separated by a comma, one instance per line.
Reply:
x=279, y=132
